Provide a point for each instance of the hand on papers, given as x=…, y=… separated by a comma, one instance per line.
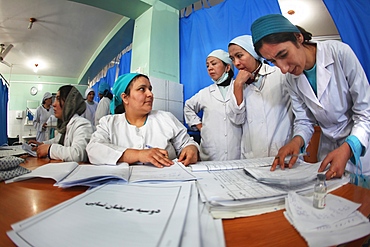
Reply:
x=338, y=160
x=293, y=147
x=188, y=155
x=156, y=156
x=42, y=150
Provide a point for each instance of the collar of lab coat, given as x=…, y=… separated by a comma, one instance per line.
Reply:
x=215, y=92
x=323, y=59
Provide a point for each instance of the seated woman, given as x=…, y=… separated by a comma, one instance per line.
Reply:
x=74, y=131
x=140, y=134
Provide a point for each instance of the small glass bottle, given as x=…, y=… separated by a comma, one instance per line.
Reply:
x=319, y=192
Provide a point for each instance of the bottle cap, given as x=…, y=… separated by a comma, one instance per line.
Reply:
x=321, y=176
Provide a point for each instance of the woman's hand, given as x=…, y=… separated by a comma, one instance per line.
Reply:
x=338, y=160
x=158, y=157
x=188, y=155
x=34, y=144
x=42, y=150
x=292, y=148
x=239, y=83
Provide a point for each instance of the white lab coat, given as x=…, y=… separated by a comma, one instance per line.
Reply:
x=114, y=135
x=265, y=113
x=220, y=138
x=102, y=110
x=42, y=116
x=89, y=113
x=77, y=136
x=342, y=105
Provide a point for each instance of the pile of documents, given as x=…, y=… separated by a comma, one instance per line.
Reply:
x=167, y=214
x=339, y=222
x=68, y=174
x=247, y=187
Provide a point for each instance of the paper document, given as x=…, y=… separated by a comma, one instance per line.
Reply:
x=28, y=148
x=111, y=215
x=68, y=174
x=339, y=222
x=231, y=164
x=301, y=173
x=55, y=171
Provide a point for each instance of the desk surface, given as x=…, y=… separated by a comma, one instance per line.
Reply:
x=24, y=199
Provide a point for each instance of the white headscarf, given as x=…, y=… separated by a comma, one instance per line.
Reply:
x=223, y=56
x=245, y=42
x=88, y=90
x=47, y=95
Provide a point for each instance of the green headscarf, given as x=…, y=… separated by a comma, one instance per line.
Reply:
x=269, y=24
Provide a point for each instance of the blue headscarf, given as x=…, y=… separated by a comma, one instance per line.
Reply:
x=120, y=87
x=103, y=86
x=269, y=24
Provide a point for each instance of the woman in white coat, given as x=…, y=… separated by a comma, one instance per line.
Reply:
x=43, y=114
x=74, y=131
x=105, y=98
x=220, y=138
x=328, y=86
x=139, y=135
x=260, y=102
x=91, y=106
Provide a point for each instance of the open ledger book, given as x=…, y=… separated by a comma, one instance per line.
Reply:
x=68, y=174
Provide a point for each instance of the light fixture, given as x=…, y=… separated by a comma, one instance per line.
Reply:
x=35, y=69
x=32, y=20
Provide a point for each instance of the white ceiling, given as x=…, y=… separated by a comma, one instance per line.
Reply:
x=67, y=34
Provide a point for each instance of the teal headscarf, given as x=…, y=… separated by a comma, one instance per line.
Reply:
x=103, y=86
x=269, y=24
x=119, y=87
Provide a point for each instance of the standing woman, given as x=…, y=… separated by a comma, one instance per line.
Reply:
x=328, y=86
x=105, y=98
x=74, y=131
x=260, y=102
x=140, y=134
x=220, y=138
x=91, y=106
x=43, y=113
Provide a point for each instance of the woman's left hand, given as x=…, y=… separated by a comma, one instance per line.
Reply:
x=338, y=160
x=42, y=150
x=189, y=155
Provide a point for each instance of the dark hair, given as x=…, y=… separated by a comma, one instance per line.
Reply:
x=276, y=38
x=63, y=93
x=121, y=108
x=107, y=94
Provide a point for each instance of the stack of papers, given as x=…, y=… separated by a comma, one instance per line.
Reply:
x=28, y=148
x=339, y=222
x=234, y=192
x=123, y=215
x=68, y=174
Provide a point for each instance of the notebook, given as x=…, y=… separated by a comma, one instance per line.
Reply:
x=11, y=151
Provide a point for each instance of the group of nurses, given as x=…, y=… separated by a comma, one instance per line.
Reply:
x=250, y=117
